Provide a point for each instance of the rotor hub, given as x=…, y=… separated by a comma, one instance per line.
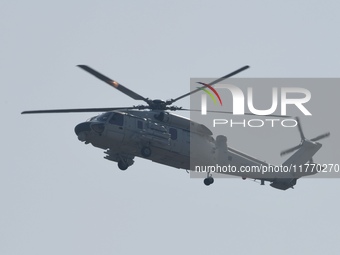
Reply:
x=157, y=104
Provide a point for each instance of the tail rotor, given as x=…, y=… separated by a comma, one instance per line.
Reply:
x=303, y=138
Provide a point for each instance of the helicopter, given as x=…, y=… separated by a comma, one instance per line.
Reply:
x=153, y=132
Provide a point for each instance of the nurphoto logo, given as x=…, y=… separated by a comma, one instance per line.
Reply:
x=239, y=99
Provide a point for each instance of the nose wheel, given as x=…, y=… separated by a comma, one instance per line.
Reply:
x=122, y=165
x=124, y=162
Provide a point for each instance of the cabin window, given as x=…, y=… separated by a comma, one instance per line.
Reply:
x=117, y=119
x=139, y=124
x=173, y=133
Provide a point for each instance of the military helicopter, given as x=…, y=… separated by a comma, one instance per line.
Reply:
x=152, y=132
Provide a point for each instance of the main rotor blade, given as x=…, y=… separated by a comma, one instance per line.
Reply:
x=320, y=137
x=290, y=150
x=246, y=113
x=211, y=83
x=79, y=110
x=113, y=83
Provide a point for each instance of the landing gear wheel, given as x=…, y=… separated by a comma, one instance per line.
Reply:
x=209, y=180
x=122, y=165
x=146, y=152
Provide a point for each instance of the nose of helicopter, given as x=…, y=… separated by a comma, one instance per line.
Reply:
x=81, y=130
x=82, y=127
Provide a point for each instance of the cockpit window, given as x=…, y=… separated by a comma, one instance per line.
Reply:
x=117, y=119
x=104, y=117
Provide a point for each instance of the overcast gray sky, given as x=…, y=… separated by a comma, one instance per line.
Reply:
x=59, y=196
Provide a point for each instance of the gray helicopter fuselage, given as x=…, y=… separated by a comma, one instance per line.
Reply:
x=177, y=142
